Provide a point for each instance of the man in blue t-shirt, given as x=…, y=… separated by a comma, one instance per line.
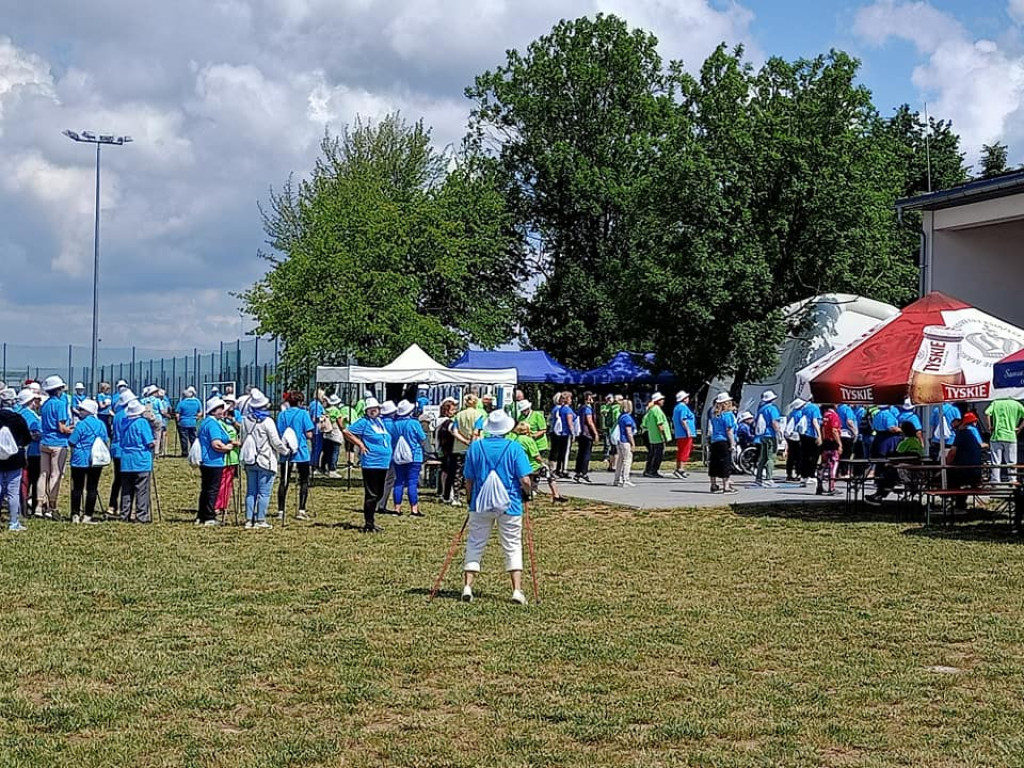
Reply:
x=944, y=429
x=506, y=487
x=187, y=414
x=848, y=431
x=810, y=442
x=767, y=428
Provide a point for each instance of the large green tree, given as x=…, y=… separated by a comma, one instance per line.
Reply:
x=388, y=242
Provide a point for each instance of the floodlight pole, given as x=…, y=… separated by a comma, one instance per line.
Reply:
x=89, y=138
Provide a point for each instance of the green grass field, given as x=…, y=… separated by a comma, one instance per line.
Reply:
x=663, y=638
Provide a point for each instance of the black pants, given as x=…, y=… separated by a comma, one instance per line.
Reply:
x=655, y=453
x=449, y=468
x=31, y=500
x=115, y=486
x=584, y=447
x=809, y=452
x=186, y=436
x=209, y=485
x=373, y=492
x=87, y=480
x=792, y=459
x=560, y=452
x=285, y=474
x=135, y=491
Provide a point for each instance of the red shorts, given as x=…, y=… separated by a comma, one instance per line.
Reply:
x=684, y=446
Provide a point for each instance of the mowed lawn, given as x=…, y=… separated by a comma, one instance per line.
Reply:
x=665, y=638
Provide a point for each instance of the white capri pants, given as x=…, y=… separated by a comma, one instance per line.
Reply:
x=510, y=536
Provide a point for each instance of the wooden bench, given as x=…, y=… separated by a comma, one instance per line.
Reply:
x=947, y=497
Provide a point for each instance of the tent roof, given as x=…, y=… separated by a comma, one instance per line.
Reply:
x=877, y=367
x=534, y=365
x=626, y=368
x=413, y=366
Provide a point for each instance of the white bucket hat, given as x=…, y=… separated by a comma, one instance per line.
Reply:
x=134, y=408
x=121, y=383
x=499, y=423
x=723, y=397
x=405, y=408
x=90, y=406
x=387, y=408
x=657, y=397
x=188, y=391
x=258, y=400
x=745, y=416
x=798, y=403
x=908, y=405
x=26, y=396
x=213, y=404
x=8, y=395
x=524, y=405
x=125, y=397
x=229, y=398
x=371, y=402
x=34, y=386
x=768, y=396
x=52, y=383
x=79, y=385
x=681, y=395
x=334, y=400
x=148, y=390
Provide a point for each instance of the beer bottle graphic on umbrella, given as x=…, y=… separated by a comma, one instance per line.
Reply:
x=937, y=364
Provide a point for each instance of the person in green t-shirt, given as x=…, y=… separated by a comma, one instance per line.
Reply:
x=522, y=435
x=537, y=423
x=1004, y=422
x=227, y=478
x=610, y=412
x=659, y=431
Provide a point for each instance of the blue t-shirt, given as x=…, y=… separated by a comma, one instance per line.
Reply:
x=951, y=414
x=209, y=430
x=103, y=400
x=911, y=417
x=410, y=429
x=795, y=415
x=115, y=442
x=422, y=402
x=507, y=459
x=77, y=400
x=561, y=414
x=812, y=412
x=188, y=410
x=136, y=439
x=884, y=420
x=316, y=410
x=154, y=406
x=300, y=422
x=968, y=447
x=683, y=420
x=846, y=414
x=770, y=413
x=375, y=436
x=720, y=424
x=35, y=426
x=581, y=414
x=627, y=427
x=54, y=411
x=86, y=432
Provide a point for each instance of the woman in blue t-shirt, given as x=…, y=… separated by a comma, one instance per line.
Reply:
x=371, y=437
x=297, y=419
x=626, y=428
x=56, y=417
x=215, y=445
x=85, y=478
x=407, y=475
x=28, y=407
x=136, y=444
x=723, y=443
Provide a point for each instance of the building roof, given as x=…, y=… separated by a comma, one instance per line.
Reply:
x=973, y=192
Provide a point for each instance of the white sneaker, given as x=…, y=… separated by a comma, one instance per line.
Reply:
x=334, y=475
x=518, y=597
x=769, y=484
x=280, y=514
x=212, y=523
x=86, y=520
x=301, y=515
x=17, y=528
x=264, y=524
x=75, y=519
x=467, y=594
x=249, y=524
x=628, y=484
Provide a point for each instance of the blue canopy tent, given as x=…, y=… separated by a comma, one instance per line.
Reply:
x=534, y=366
x=626, y=368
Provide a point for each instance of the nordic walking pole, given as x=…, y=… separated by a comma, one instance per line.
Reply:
x=156, y=492
x=448, y=559
x=529, y=544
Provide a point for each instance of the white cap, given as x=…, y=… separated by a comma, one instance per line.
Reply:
x=213, y=404
x=370, y=402
x=723, y=397
x=681, y=395
x=768, y=396
x=126, y=397
x=26, y=396
x=387, y=408
x=52, y=383
x=90, y=406
x=79, y=385
x=134, y=408
x=656, y=397
x=524, y=405
x=405, y=408
x=121, y=383
x=499, y=423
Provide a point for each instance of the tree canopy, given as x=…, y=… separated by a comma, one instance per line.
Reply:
x=389, y=242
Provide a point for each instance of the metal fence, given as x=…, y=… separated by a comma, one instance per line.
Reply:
x=250, y=363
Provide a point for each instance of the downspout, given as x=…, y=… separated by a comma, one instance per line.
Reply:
x=922, y=265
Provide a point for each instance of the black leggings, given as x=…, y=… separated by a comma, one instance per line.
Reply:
x=209, y=485
x=792, y=459
x=584, y=448
x=31, y=500
x=286, y=477
x=84, y=479
x=809, y=453
x=115, y=486
x=373, y=492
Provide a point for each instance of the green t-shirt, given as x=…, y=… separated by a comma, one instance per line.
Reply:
x=1005, y=415
x=610, y=413
x=538, y=423
x=231, y=459
x=910, y=445
x=466, y=423
x=530, y=446
x=656, y=425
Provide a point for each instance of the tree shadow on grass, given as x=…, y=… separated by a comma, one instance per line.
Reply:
x=442, y=594
x=833, y=512
x=992, y=531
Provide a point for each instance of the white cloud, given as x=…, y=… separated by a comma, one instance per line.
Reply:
x=1016, y=10
x=224, y=99
x=977, y=83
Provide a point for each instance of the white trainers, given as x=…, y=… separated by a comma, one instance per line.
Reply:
x=628, y=484
x=280, y=514
x=75, y=519
x=249, y=525
x=467, y=594
x=333, y=475
x=263, y=524
x=17, y=528
x=301, y=515
x=770, y=484
x=518, y=597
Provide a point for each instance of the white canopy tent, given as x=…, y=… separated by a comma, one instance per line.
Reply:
x=413, y=366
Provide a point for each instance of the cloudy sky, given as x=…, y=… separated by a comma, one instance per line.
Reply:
x=227, y=97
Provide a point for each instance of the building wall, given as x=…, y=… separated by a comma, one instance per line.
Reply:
x=982, y=265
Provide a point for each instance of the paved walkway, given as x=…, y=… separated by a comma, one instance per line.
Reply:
x=695, y=491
